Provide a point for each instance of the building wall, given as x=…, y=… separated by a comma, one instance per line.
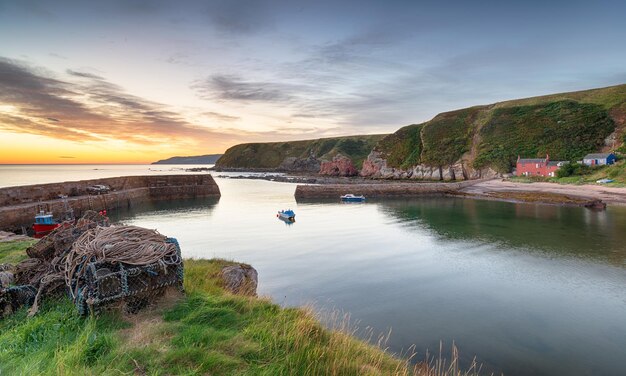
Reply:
x=600, y=161
x=535, y=169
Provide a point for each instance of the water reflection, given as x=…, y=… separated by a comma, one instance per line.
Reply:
x=528, y=289
x=555, y=229
x=166, y=209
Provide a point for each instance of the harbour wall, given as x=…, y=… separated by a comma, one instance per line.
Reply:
x=379, y=190
x=18, y=205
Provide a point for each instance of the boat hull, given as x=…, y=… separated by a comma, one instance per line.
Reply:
x=353, y=199
x=42, y=230
x=286, y=217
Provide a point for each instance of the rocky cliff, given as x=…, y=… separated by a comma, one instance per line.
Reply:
x=484, y=141
x=298, y=156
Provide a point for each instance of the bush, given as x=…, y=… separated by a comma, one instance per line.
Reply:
x=572, y=169
x=566, y=170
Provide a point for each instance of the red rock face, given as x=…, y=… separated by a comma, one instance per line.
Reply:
x=339, y=166
x=370, y=168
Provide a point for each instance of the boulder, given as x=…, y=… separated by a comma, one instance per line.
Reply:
x=339, y=166
x=240, y=279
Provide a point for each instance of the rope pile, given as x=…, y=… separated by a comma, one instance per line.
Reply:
x=130, y=245
x=59, y=261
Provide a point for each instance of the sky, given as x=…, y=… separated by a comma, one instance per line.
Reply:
x=134, y=81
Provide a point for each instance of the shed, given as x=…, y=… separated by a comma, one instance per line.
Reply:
x=599, y=159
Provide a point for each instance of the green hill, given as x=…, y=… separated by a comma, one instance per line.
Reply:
x=198, y=159
x=567, y=126
x=270, y=155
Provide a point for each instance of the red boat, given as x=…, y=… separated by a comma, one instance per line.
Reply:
x=44, y=224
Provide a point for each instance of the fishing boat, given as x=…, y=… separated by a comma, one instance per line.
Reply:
x=44, y=224
x=287, y=215
x=352, y=198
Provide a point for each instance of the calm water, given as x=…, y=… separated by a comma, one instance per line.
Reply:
x=11, y=175
x=528, y=289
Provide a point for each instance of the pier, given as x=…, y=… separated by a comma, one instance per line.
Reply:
x=18, y=205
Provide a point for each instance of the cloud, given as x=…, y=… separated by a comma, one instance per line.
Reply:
x=90, y=109
x=232, y=87
x=240, y=17
x=83, y=74
x=220, y=116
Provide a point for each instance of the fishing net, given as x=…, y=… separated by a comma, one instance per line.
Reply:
x=128, y=263
x=15, y=297
x=98, y=265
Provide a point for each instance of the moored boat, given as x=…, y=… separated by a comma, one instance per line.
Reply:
x=352, y=198
x=44, y=224
x=287, y=215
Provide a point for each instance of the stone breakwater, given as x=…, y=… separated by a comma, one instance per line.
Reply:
x=379, y=190
x=18, y=205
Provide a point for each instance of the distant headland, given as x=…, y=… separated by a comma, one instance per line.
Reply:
x=198, y=159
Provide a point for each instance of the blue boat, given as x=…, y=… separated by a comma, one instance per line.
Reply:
x=352, y=198
x=287, y=215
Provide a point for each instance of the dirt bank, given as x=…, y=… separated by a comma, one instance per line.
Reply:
x=545, y=192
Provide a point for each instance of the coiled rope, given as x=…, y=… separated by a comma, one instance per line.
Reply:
x=130, y=245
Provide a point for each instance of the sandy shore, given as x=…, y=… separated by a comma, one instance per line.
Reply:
x=609, y=195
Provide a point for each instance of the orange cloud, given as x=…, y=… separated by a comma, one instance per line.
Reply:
x=92, y=112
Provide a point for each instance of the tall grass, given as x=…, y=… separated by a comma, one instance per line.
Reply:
x=205, y=332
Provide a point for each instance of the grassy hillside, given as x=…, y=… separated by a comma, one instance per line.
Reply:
x=205, y=332
x=271, y=154
x=402, y=148
x=198, y=159
x=567, y=130
x=566, y=125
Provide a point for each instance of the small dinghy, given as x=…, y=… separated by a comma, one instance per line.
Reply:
x=287, y=215
x=352, y=198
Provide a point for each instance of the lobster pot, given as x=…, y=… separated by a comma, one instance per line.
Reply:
x=134, y=286
x=15, y=297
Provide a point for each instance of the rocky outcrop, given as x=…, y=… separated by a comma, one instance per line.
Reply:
x=376, y=167
x=240, y=279
x=293, y=164
x=339, y=166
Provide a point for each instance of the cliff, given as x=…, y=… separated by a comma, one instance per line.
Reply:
x=198, y=159
x=304, y=156
x=484, y=141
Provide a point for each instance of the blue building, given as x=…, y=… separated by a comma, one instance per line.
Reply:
x=599, y=159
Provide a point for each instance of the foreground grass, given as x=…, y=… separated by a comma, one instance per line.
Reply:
x=14, y=252
x=205, y=332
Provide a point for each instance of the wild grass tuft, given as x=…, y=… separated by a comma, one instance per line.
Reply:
x=205, y=332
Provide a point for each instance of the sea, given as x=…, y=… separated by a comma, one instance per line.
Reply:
x=524, y=289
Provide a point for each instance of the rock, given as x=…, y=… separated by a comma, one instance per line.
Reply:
x=339, y=166
x=6, y=279
x=240, y=279
x=9, y=237
x=595, y=205
x=293, y=164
